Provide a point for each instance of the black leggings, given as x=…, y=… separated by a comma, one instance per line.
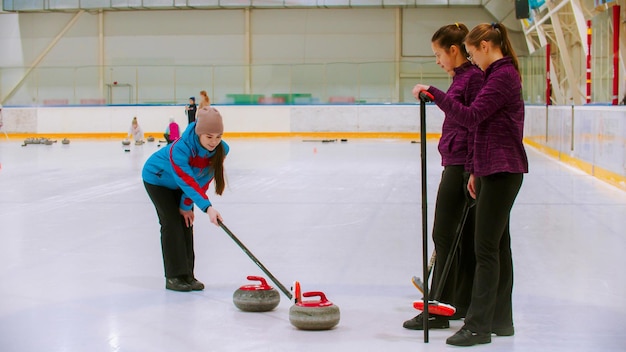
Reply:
x=449, y=207
x=176, y=237
x=491, y=306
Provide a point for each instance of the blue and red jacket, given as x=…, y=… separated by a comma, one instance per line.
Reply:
x=183, y=165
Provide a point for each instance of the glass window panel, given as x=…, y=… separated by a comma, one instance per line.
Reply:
x=125, y=3
x=465, y=2
x=200, y=3
x=335, y=2
x=55, y=85
x=309, y=80
x=155, y=85
x=366, y=2
x=158, y=3
x=94, y=4
x=234, y=3
x=190, y=80
x=26, y=94
x=228, y=80
x=376, y=82
x=28, y=5
x=63, y=4
x=121, y=83
x=399, y=2
x=267, y=3
x=87, y=90
x=342, y=81
x=7, y=5
x=431, y=2
x=271, y=79
x=297, y=3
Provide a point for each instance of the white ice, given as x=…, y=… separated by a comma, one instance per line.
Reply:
x=81, y=268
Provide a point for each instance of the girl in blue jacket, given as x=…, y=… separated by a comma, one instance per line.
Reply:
x=177, y=177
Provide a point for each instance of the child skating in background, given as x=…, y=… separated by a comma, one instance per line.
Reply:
x=135, y=131
x=450, y=54
x=496, y=172
x=177, y=177
x=191, y=110
x=172, y=132
x=205, y=102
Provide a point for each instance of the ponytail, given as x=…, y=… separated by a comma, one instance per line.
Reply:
x=498, y=35
x=217, y=163
x=505, y=45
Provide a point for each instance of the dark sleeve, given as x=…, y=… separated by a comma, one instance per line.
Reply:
x=495, y=94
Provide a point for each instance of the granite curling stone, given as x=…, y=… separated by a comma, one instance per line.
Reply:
x=65, y=141
x=314, y=314
x=150, y=139
x=126, y=142
x=256, y=298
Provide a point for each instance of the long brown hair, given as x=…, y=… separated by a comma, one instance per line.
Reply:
x=498, y=35
x=204, y=99
x=449, y=35
x=217, y=164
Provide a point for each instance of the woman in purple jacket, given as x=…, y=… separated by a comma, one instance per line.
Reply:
x=498, y=164
x=450, y=54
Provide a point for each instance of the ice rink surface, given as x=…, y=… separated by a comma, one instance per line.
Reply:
x=81, y=267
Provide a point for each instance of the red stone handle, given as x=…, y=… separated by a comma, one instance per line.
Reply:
x=263, y=285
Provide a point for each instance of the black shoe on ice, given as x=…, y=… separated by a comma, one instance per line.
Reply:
x=434, y=322
x=177, y=284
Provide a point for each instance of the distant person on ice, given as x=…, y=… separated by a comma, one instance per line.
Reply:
x=135, y=131
x=172, y=132
x=191, y=110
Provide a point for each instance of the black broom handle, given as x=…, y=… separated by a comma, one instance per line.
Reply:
x=452, y=254
x=424, y=97
x=255, y=260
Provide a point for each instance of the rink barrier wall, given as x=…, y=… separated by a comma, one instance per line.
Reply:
x=590, y=138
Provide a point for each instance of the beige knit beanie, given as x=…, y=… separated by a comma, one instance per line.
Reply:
x=208, y=121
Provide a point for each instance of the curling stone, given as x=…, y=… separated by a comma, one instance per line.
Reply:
x=256, y=298
x=314, y=314
x=126, y=142
x=139, y=142
x=150, y=139
x=65, y=141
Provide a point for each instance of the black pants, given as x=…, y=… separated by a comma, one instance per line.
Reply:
x=176, y=237
x=491, y=305
x=449, y=208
